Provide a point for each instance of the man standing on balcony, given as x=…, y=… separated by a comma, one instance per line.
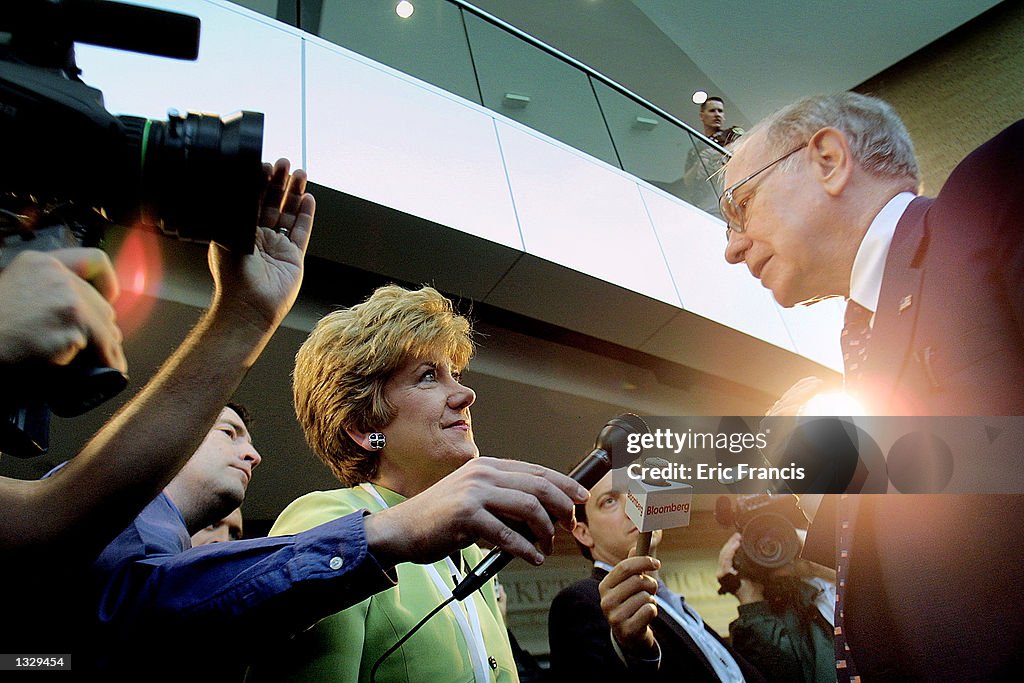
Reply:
x=702, y=178
x=712, y=115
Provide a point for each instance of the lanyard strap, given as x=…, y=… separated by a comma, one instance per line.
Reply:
x=469, y=624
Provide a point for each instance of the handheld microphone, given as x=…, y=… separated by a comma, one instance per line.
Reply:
x=654, y=502
x=610, y=442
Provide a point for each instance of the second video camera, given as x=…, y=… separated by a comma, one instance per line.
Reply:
x=768, y=525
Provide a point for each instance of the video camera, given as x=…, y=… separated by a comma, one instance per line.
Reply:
x=767, y=523
x=71, y=168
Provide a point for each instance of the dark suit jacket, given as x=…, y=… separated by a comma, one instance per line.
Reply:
x=935, y=587
x=581, y=646
x=956, y=349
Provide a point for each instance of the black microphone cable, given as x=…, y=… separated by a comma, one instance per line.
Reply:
x=401, y=641
x=611, y=440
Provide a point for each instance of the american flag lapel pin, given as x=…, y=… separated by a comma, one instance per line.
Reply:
x=906, y=302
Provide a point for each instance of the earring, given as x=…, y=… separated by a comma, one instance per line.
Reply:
x=377, y=440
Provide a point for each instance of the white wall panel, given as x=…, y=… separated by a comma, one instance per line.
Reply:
x=388, y=138
x=245, y=62
x=579, y=212
x=694, y=245
x=815, y=331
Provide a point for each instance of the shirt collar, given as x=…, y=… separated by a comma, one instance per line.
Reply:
x=387, y=497
x=169, y=502
x=869, y=265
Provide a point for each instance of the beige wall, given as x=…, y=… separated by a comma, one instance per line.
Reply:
x=959, y=91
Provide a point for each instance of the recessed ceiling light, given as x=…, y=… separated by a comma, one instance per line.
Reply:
x=700, y=97
x=404, y=9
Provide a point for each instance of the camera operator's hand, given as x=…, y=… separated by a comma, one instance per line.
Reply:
x=749, y=591
x=74, y=515
x=727, y=554
x=55, y=304
x=261, y=287
x=627, y=600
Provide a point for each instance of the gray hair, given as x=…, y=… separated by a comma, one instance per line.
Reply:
x=879, y=141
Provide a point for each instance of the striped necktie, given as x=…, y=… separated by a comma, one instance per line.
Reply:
x=853, y=342
x=846, y=672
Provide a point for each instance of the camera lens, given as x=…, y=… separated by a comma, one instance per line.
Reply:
x=770, y=540
x=202, y=176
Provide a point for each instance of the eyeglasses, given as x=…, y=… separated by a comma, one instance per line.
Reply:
x=735, y=215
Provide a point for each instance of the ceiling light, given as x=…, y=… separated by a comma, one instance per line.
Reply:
x=404, y=9
x=700, y=97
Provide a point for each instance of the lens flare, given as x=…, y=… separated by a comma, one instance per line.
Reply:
x=834, y=403
x=139, y=267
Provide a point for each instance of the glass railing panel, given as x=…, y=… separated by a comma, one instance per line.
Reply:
x=471, y=57
x=660, y=152
x=430, y=44
x=538, y=90
x=702, y=177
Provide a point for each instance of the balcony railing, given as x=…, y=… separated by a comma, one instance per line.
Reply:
x=467, y=51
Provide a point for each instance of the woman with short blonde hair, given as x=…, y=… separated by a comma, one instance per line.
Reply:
x=378, y=392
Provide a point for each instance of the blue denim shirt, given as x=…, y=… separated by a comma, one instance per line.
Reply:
x=157, y=595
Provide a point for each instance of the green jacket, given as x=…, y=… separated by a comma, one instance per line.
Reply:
x=344, y=647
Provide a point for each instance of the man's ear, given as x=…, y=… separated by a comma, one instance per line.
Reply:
x=361, y=438
x=582, y=534
x=832, y=161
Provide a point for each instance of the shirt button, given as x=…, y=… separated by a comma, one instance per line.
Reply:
x=336, y=562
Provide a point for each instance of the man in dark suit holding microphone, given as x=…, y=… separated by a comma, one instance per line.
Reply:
x=820, y=202
x=586, y=647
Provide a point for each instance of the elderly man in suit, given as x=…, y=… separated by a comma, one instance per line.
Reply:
x=820, y=202
x=670, y=642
